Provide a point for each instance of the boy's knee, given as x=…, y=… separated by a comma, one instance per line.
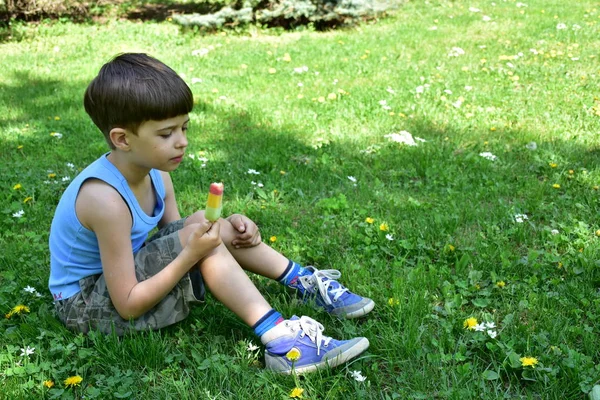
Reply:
x=195, y=218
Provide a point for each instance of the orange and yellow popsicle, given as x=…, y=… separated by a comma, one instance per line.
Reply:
x=214, y=204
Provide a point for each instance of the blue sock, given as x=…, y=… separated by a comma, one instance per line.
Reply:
x=267, y=321
x=291, y=273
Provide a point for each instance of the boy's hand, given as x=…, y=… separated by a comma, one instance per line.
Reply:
x=247, y=232
x=204, y=238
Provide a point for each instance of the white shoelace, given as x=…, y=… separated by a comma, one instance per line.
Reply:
x=323, y=285
x=312, y=329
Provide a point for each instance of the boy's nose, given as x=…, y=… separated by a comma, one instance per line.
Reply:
x=182, y=141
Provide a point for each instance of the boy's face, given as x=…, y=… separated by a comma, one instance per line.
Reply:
x=160, y=144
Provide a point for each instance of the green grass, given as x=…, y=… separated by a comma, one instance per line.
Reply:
x=451, y=212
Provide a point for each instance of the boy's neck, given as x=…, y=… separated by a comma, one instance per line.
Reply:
x=134, y=174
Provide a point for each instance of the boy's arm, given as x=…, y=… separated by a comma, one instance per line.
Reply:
x=171, y=212
x=100, y=208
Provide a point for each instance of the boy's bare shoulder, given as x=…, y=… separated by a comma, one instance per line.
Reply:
x=99, y=203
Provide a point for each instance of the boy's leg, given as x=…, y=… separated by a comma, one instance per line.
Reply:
x=310, y=283
x=296, y=344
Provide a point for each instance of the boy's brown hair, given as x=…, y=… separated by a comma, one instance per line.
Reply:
x=133, y=88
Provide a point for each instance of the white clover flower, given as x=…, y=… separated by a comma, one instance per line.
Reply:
x=576, y=27
x=457, y=103
x=66, y=178
x=492, y=334
x=420, y=89
x=383, y=103
x=200, y=52
x=561, y=26
x=300, y=70
x=30, y=289
x=448, y=91
x=352, y=179
x=19, y=214
x=404, y=137
x=70, y=165
x=480, y=327
x=253, y=172
x=520, y=218
x=389, y=237
x=300, y=84
x=531, y=146
x=554, y=231
x=26, y=352
x=474, y=9
x=251, y=347
x=490, y=325
x=468, y=88
x=358, y=376
x=488, y=156
x=390, y=90
x=433, y=28
x=519, y=5
x=196, y=80
x=455, y=52
x=56, y=135
x=253, y=183
x=486, y=18
x=260, y=185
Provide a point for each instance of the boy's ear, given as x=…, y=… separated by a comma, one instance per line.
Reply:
x=119, y=138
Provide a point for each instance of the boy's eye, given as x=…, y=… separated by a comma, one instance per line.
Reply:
x=166, y=135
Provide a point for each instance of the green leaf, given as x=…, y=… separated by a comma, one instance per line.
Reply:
x=490, y=375
x=480, y=302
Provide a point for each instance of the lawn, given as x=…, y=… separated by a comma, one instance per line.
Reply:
x=445, y=160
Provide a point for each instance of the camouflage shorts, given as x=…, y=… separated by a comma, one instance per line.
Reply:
x=92, y=309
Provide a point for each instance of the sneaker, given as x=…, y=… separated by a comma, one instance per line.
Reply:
x=299, y=345
x=321, y=285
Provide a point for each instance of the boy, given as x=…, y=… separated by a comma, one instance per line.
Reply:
x=106, y=276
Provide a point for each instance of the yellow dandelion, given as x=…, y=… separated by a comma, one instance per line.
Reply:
x=293, y=354
x=272, y=71
x=556, y=186
x=369, y=220
x=52, y=175
x=571, y=172
x=470, y=323
x=17, y=186
x=73, y=381
x=321, y=99
x=500, y=284
x=384, y=227
x=296, y=393
x=451, y=248
x=598, y=232
x=493, y=128
x=553, y=165
x=49, y=384
x=528, y=361
x=282, y=172
x=19, y=309
x=20, y=147
x=331, y=96
x=393, y=302
x=27, y=199
x=57, y=118
x=273, y=239
x=287, y=58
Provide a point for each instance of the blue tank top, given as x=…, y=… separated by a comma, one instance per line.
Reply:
x=74, y=251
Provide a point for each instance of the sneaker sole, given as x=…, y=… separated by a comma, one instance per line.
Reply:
x=356, y=349
x=365, y=309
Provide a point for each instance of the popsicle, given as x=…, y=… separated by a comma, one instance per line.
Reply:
x=214, y=202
